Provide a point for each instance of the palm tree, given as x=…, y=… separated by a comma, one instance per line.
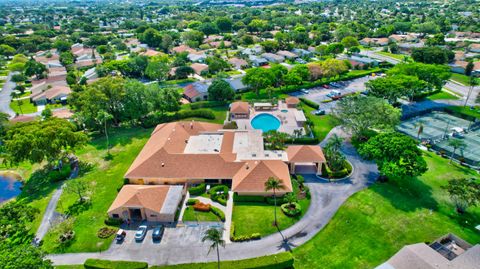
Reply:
x=456, y=144
x=420, y=129
x=103, y=117
x=215, y=236
x=274, y=184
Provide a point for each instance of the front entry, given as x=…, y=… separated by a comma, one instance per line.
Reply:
x=135, y=214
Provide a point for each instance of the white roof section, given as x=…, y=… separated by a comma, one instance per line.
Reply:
x=299, y=116
x=172, y=200
x=204, y=144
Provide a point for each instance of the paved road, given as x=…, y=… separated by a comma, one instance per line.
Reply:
x=5, y=97
x=50, y=215
x=326, y=199
x=375, y=55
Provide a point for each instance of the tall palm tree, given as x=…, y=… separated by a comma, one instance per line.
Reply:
x=274, y=184
x=456, y=144
x=103, y=117
x=215, y=236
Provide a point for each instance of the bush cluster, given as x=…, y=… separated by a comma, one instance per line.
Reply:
x=327, y=172
x=219, y=213
x=199, y=206
x=192, y=201
x=112, y=221
x=221, y=197
x=154, y=119
x=242, y=238
x=309, y=103
x=207, y=104
x=198, y=190
x=291, y=212
x=106, y=232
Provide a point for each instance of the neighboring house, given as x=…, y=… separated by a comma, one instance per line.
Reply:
x=257, y=61
x=448, y=252
x=287, y=54
x=56, y=94
x=213, y=38
x=273, y=58
x=238, y=63
x=197, y=56
x=182, y=48
x=150, y=53
x=236, y=84
x=302, y=52
x=217, y=44
x=408, y=47
x=255, y=50
x=460, y=66
x=474, y=48
x=403, y=38
x=91, y=74
x=367, y=41
x=363, y=60
x=199, y=68
x=157, y=203
x=196, y=91
x=239, y=110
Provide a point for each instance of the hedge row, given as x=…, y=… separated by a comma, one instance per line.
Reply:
x=256, y=199
x=198, y=190
x=154, y=119
x=105, y=264
x=303, y=141
x=278, y=261
x=206, y=104
x=220, y=198
x=219, y=213
x=309, y=103
x=192, y=201
x=242, y=238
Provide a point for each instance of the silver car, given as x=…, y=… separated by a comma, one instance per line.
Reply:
x=140, y=233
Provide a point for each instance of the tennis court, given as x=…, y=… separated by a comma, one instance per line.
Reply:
x=439, y=127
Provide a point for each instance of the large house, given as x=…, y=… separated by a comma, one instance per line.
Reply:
x=180, y=153
x=367, y=41
x=196, y=91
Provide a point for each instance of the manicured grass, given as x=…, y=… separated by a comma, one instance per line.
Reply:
x=443, y=95
x=192, y=215
x=250, y=217
x=78, y=266
x=54, y=106
x=220, y=114
x=375, y=223
x=460, y=78
x=322, y=124
x=467, y=110
x=104, y=181
x=25, y=108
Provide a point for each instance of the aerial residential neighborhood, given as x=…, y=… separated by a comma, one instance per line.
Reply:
x=239, y=134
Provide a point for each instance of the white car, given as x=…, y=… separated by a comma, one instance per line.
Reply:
x=141, y=232
x=304, y=91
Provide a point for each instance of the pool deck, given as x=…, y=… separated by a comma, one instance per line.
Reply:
x=287, y=119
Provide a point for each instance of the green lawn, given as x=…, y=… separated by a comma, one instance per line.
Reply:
x=375, y=223
x=192, y=215
x=322, y=124
x=399, y=57
x=105, y=179
x=460, y=78
x=25, y=108
x=443, y=95
x=467, y=110
x=220, y=114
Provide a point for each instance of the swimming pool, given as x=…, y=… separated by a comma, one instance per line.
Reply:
x=265, y=122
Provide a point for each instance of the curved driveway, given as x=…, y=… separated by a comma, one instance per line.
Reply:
x=326, y=199
x=5, y=97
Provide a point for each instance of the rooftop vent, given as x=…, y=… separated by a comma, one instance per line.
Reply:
x=163, y=164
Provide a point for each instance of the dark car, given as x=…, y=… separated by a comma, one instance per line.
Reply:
x=140, y=233
x=120, y=236
x=158, y=232
x=319, y=112
x=326, y=86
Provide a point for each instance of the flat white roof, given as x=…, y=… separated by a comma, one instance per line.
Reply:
x=299, y=116
x=204, y=143
x=262, y=104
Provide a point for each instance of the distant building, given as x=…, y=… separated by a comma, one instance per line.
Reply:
x=199, y=68
x=367, y=41
x=196, y=91
x=460, y=66
x=238, y=63
x=273, y=58
x=237, y=84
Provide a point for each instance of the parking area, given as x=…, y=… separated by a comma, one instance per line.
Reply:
x=189, y=233
x=319, y=94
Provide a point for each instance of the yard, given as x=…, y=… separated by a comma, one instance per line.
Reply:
x=321, y=124
x=220, y=114
x=399, y=57
x=192, y=215
x=23, y=107
x=443, y=95
x=460, y=78
x=257, y=217
x=466, y=110
x=375, y=223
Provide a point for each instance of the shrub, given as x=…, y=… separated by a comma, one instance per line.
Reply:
x=106, y=232
x=198, y=190
x=112, y=221
x=192, y=201
x=271, y=201
x=154, y=119
x=282, y=260
x=201, y=207
x=222, y=196
x=219, y=213
x=241, y=238
x=222, y=201
x=302, y=141
x=206, y=104
x=292, y=209
x=243, y=198
x=230, y=125
x=105, y=264
x=309, y=103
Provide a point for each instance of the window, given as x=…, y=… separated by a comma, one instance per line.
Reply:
x=115, y=216
x=153, y=216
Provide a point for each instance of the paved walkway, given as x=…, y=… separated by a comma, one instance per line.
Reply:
x=5, y=97
x=49, y=215
x=326, y=199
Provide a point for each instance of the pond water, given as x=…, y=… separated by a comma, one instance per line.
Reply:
x=9, y=187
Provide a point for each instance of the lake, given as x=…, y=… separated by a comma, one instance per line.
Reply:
x=9, y=187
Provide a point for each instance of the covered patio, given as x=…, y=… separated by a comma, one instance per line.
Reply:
x=305, y=159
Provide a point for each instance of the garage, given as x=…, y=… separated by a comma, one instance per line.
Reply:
x=305, y=159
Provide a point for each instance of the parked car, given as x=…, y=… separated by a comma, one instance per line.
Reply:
x=141, y=232
x=120, y=236
x=158, y=232
x=305, y=91
x=319, y=112
x=326, y=86
x=333, y=94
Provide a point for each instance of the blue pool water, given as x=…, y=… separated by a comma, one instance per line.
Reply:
x=265, y=122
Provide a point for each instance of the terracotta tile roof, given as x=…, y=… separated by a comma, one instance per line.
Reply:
x=149, y=197
x=22, y=118
x=237, y=62
x=240, y=107
x=253, y=175
x=182, y=48
x=150, y=52
x=305, y=154
x=195, y=89
x=53, y=93
x=292, y=100
x=62, y=113
x=199, y=68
